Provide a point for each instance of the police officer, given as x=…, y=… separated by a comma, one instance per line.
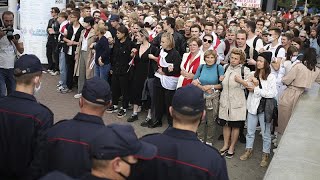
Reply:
x=114, y=150
x=23, y=123
x=181, y=155
x=68, y=140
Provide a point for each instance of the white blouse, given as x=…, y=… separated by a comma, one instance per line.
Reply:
x=269, y=90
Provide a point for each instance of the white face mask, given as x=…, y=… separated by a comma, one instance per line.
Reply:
x=267, y=24
x=270, y=39
x=163, y=17
x=294, y=58
x=37, y=89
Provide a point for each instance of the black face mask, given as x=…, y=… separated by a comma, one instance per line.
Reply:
x=130, y=164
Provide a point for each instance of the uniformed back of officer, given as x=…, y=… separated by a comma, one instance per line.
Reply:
x=68, y=140
x=181, y=155
x=23, y=123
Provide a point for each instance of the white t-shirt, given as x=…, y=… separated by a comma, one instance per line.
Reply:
x=281, y=54
x=259, y=43
x=7, y=51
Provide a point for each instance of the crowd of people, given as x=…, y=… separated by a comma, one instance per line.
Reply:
x=211, y=68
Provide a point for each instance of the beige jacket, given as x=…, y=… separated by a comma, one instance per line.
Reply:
x=91, y=39
x=300, y=76
x=232, y=99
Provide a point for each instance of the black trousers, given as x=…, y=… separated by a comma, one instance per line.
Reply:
x=70, y=62
x=162, y=101
x=52, y=56
x=120, y=86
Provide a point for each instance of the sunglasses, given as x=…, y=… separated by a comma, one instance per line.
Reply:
x=209, y=41
x=302, y=36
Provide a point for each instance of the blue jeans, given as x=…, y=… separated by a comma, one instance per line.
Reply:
x=265, y=129
x=63, y=69
x=7, y=82
x=102, y=71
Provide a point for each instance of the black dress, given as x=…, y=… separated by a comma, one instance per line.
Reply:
x=143, y=68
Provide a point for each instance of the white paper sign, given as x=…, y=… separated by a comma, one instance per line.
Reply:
x=249, y=3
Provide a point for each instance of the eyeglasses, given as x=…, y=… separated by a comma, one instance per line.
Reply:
x=302, y=36
x=209, y=41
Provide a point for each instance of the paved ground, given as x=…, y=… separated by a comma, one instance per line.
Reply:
x=65, y=106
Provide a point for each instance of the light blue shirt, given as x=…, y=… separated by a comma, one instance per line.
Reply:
x=209, y=75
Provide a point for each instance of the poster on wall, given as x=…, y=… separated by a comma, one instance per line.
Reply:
x=248, y=3
x=34, y=17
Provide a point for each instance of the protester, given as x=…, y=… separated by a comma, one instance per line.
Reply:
x=207, y=79
x=232, y=106
x=102, y=53
x=123, y=51
x=262, y=87
x=83, y=55
x=143, y=66
x=166, y=79
x=301, y=76
x=190, y=62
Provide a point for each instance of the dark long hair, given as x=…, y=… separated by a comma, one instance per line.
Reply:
x=267, y=71
x=309, y=59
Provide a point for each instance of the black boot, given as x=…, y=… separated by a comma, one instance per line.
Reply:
x=155, y=124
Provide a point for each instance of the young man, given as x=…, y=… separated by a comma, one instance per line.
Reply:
x=72, y=40
x=52, y=43
x=169, y=26
x=286, y=40
x=64, y=23
x=225, y=47
x=181, y=155
x=252, y=39
x=251, y=53
x=23, y=123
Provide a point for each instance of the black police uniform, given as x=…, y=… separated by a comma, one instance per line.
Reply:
x=68, y=144
x=56, y=175
x=181, y=155
x=23, y=126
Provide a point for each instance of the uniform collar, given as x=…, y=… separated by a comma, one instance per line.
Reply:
x=88, y=118
x=23, y=95
x=181, y=134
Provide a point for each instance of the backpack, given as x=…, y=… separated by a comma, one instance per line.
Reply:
x=277, y=50
x=226, y=42
x=255, y=42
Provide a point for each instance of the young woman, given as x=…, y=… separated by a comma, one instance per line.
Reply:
x=301, y=76
x=207, y=43
x=232, y=108
x=102, y=53
x=144, y=67
x=166, y=79
x=123, y=51
x=190, y=62
x=84, y=54
x=262, y=85
x=207, y=79
x=157, y=30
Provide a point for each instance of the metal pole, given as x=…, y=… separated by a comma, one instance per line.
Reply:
x=12, y=6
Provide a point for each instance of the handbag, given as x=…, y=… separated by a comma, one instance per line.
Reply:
x=145, y=90
x=262, y=103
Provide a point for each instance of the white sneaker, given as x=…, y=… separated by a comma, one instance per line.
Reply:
x=59, y=88
x=77, y=96
x=44, y=72
x=54, y=73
